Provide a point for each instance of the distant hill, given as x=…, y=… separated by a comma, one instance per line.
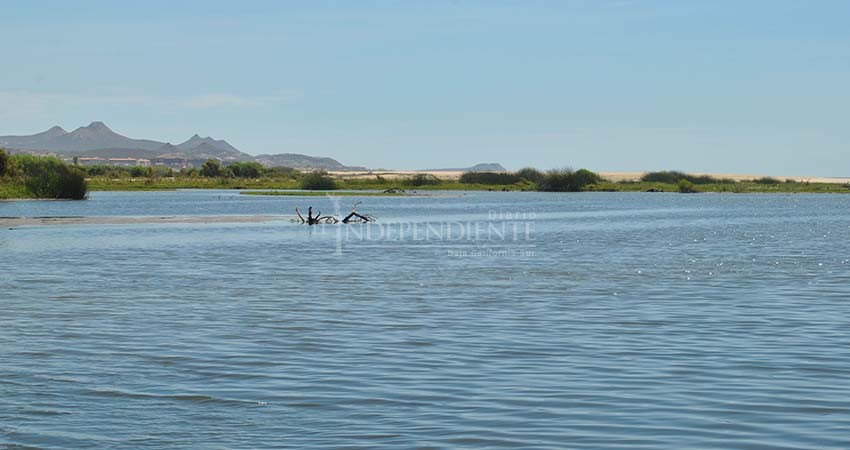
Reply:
x=98, y=140
x=207, y=147
x=484, y=167
x=34, y=141
x=304, y=162
x=94, y=136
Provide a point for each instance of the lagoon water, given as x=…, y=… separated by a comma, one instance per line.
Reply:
x=607, y=321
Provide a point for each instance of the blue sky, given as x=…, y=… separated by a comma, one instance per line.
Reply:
x=718, y=86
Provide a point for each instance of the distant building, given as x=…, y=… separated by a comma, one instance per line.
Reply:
x=128, y=162
x=90, y=161
x=119, y=162
x=177, y=162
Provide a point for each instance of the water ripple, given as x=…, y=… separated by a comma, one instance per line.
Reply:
x=641, y=321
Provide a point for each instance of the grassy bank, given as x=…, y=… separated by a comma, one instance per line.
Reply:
x=360, y=184
x=172, y=183
x=252, y=176
x=12, y=189
x=341, y=183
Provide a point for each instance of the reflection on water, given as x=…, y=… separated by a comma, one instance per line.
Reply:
x=625, y=321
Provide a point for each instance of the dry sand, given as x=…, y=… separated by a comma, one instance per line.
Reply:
x=9, y=222
x=612, y=176
x=396, y=174
x=635, y=176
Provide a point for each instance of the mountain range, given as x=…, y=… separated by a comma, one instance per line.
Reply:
x=98, y=140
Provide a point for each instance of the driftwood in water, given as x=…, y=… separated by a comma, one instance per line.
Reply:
x=315, y=220
x=355, y=216
x=352, y=217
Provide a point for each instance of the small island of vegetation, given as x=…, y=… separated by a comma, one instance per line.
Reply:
x=32, y=177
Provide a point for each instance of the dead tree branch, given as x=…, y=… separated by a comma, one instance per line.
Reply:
x=352, y=217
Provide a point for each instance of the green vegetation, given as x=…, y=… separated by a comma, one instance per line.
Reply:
x=212, y=175
x=567, y=180
x=13, y=189
x=499, y=178
x=212, y=169
x=246, y=170
x=250, y=175
x=685, y=186
x=318, y=181
x=673, y=177
x=530, y=174
x=5, y=163
x=562, y=180
x=422, y=179
x=25, y=176
x=767, y=180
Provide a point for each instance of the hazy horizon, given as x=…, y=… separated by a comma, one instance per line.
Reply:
x=724, y=87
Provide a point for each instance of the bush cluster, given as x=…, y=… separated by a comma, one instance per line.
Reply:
x=685, y=186
x=767, y=180
x=567, y=180
x=530, y=174
x=502, y=178
x=6, y=164
x=318, y=181
x=48, y=177
x=673, y=177
x=560, y=180
x=421, y=179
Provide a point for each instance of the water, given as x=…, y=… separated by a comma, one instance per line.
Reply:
x=612, y=321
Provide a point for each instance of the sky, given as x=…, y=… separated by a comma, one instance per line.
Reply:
x=756, y=87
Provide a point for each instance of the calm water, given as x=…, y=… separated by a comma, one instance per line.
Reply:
x=610, y=321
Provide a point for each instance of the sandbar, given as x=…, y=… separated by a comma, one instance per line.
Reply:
x=8, y=222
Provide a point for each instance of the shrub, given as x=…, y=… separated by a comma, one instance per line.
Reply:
x=673, y=177
x=422, y=179
x=767, y=180
x=190, y=172
x=584, y=177
x=51, y=178
x=4, y=163
x=318, y=181
x=246, y=169
x=489, y=178
x=211, y=169
x=685, y=186
x=530, y=174
x=72, y=185
x=565, y=180
x=281, y=172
